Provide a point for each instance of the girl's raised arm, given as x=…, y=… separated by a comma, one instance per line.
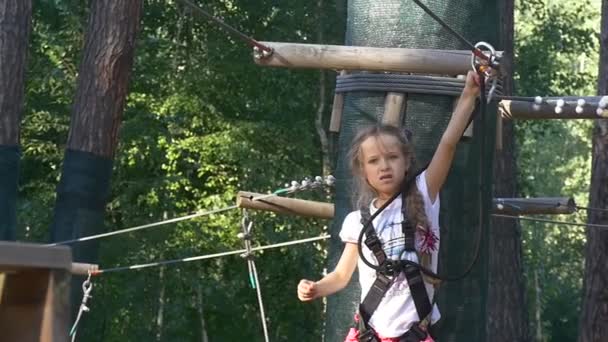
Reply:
x=440, y=165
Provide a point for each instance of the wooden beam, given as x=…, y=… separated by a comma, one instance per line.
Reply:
x=338, y=57
x=79, y=268
x=509, y=206
x=528, y=110
x=394, y=104
x=285, y=205
x=532, y=206
x=34, y=294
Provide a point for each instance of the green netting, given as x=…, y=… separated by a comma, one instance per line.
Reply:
x=400, y=23
x=82, y=194
x=9, y=171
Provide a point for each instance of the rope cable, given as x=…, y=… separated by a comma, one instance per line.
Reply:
x=207, y=256
x=164, y=222
x=525, y=218
x=247, y=39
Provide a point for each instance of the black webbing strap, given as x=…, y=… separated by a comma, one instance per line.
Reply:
x=412, y=273
x=383, y=278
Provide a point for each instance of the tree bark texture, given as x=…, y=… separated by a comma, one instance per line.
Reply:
x=15, y=25
x=104, y=76
x=593, y=325
x=506, y=306
x=104, y=71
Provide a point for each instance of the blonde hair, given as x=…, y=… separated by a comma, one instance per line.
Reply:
x=363, y=193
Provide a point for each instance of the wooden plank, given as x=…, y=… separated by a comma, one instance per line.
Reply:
x=338, y=57
x=32, y=255
x=285, y=205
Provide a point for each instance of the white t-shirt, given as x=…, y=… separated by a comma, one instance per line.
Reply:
x=396, y=312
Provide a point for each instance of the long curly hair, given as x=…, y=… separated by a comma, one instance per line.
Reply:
x=363, y=193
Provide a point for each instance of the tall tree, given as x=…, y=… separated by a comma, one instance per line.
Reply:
x=506, y=305
x=15, y=22
x=593, y=326
x=96, y=116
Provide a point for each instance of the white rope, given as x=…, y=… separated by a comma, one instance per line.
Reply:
x=145, y=226
x=209, y=256
x=156, y=224
x=590, y=225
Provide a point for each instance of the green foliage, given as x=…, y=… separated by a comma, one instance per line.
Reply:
x=556, y=54
x=202, y=122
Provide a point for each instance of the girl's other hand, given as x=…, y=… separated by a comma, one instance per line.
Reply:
x=471, y=86
x=307, y=290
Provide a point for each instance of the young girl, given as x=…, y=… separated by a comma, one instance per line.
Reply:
x=381, y=158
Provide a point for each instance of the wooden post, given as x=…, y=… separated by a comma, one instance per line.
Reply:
x=337, y=57
x=527, y=110
x=285, y=205
x=394, y=105
x=508, y=206
x=534, y=206
x=79, y=268
x=336, y=110
x=34, y=292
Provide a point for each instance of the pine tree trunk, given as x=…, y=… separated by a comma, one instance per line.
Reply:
x=593, y=325
x=506, y=304
x=15, y=23
x=103, y=77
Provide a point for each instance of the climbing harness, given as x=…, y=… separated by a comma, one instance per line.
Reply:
x=385, y=276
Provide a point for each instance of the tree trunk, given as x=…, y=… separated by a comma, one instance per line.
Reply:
x=201, y=312
x=104, y=76
x=507, y=314
x=160, y=312
x=15, y=22
x=593, y=326
x=104, y=71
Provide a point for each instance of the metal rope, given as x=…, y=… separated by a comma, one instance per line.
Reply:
x=249, y=40
x=145, y=226
x=591, y=209
x=207, y=256
x=524, y=218
x=160, y=223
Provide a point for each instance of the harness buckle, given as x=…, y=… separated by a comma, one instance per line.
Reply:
x=367, y=335
x=391, y=267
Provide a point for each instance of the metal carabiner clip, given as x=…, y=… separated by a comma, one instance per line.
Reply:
x=487, y=66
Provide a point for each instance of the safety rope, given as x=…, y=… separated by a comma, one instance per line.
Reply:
x=306, y=184
x=87, y=287
x=246, y=236
x=532, y=219
x=206, y=256
x=591, y=209
x=146, y=226
x=266, y=51
x=405, y=188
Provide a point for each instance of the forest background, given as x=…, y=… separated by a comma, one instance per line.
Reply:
x=203, y=122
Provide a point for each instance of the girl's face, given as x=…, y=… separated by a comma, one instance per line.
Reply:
x=384, y=165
